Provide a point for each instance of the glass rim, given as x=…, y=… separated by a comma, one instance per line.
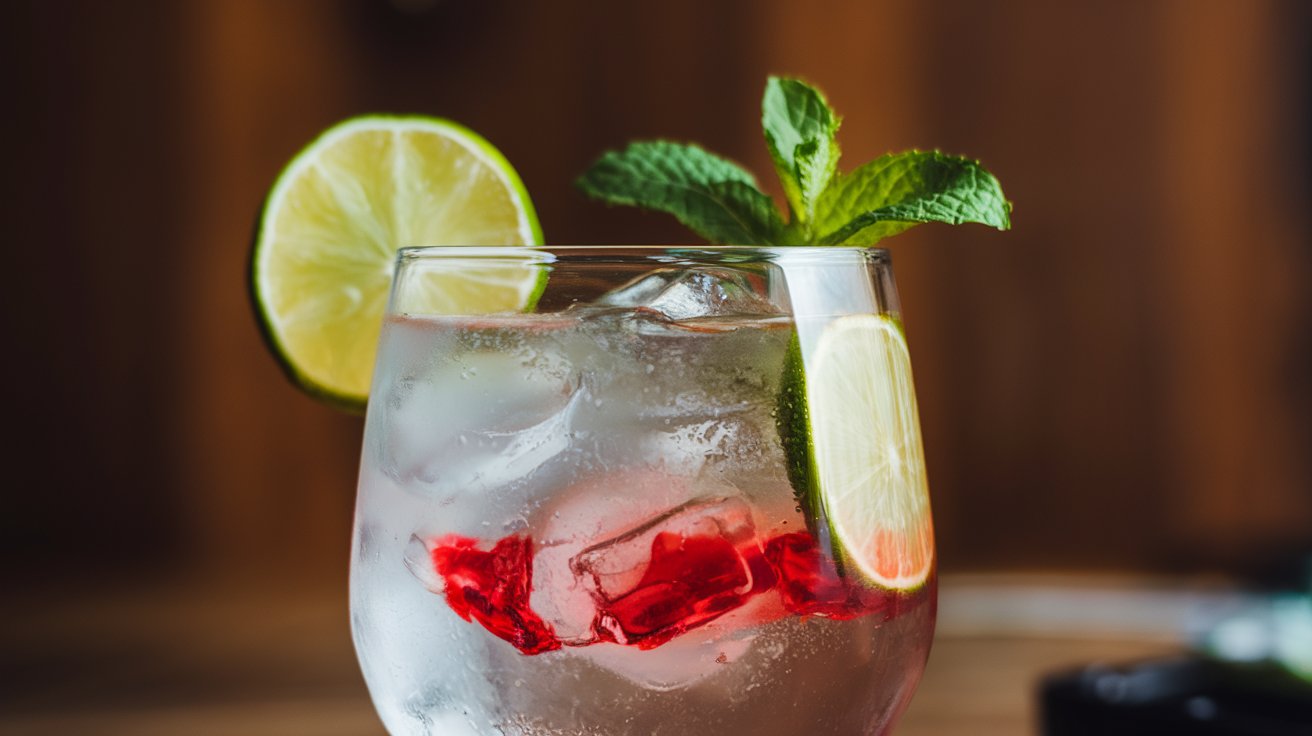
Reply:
x=674, y=253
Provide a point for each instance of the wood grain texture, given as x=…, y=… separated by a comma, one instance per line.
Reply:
x=1120, y=382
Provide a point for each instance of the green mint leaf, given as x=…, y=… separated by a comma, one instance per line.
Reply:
x=721, y=202
x=714, y=197
x=897, y=191
x=800, y=131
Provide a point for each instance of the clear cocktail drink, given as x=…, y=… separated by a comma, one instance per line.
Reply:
x=585, y=519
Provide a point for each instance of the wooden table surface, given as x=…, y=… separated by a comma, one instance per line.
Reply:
x=172, y=660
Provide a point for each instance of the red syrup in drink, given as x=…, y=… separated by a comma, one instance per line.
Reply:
x=688, y=582
x=493, y=588
x=810, y=585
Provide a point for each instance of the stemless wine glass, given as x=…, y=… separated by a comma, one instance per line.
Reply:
x=661, y=491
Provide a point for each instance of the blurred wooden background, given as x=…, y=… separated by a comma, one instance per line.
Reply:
x=1123, y=382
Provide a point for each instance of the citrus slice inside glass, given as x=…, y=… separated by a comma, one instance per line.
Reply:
x=866, y=453
x=327, y=238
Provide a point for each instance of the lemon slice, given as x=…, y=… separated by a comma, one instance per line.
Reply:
x=865, y=466
x=327, y=239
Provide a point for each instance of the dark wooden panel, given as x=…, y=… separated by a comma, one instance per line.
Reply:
x=92, y=302
x=1115, y=383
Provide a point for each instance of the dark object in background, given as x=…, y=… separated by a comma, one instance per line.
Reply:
x=1191, y=696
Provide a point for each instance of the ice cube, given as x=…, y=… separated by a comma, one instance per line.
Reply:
x=478, y=422
x=688, y=293
x=689, y=448
x=603, y=532
x=598, y=506
x=677, y=571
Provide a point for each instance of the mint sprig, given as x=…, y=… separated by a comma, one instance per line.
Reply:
x=896, y=191
x=714, y=197
x=719, y=200
x=800, y=131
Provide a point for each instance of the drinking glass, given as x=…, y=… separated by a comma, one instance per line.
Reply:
x=604, y=509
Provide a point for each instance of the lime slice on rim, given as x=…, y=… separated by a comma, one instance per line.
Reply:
x=863, y=471
x=327, y=238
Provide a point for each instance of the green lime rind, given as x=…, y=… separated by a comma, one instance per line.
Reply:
x=793, y=418
x=343, y=402
x=539, y=288
x=502, y=166
x=484, y=147
x=529, y=226
x=793, y=422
